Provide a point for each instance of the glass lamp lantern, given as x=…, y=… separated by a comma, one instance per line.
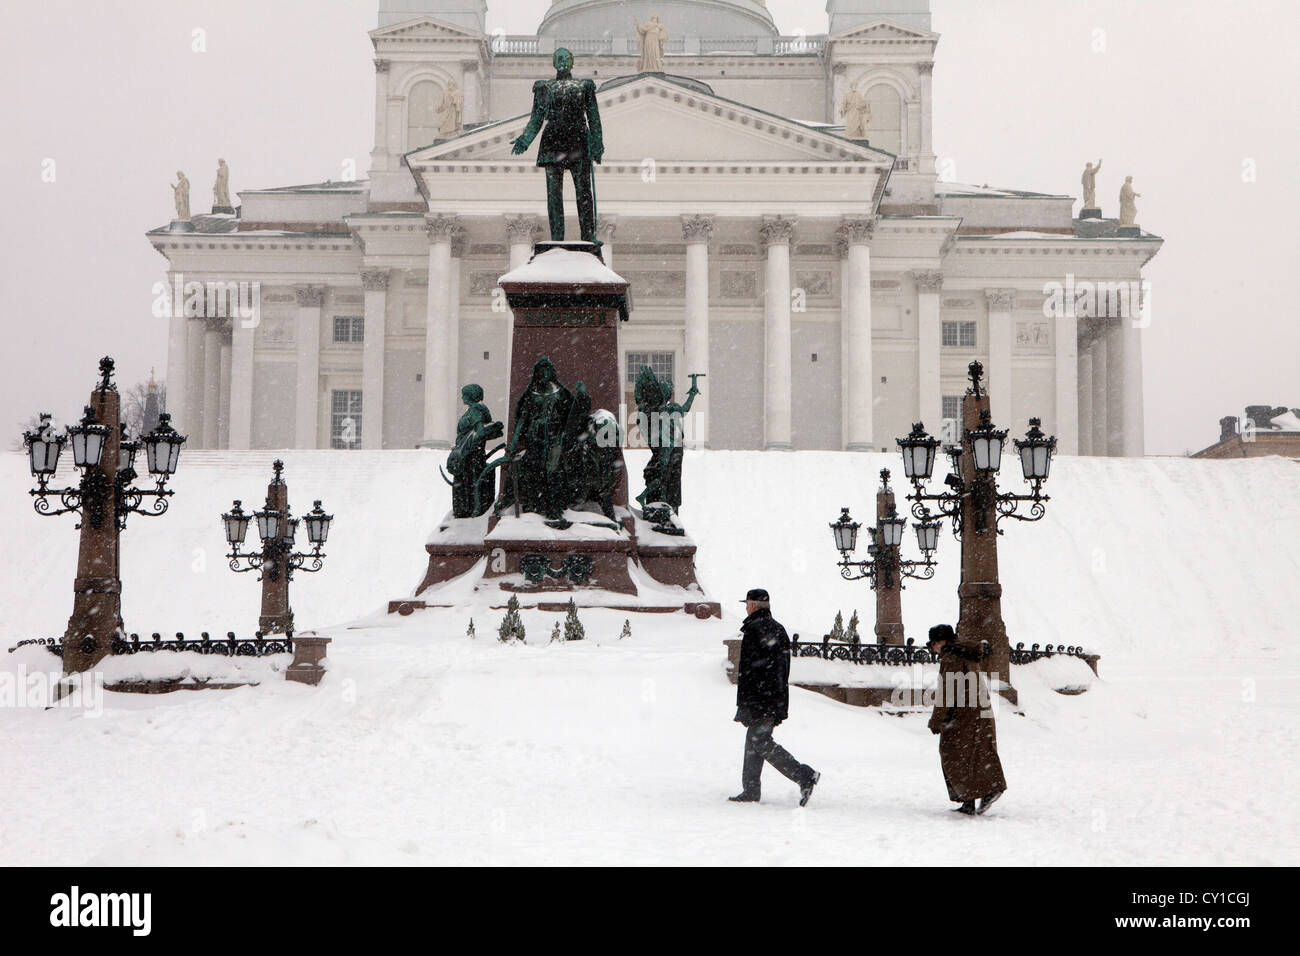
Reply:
x=845, y=531
x=236, y=523
x=891, y=530
x=318, y=525
x=44, y=447
x=162, y=448
x=1036, y=452
x=268, y=525
x=986, y=445
x=918, y=450
x=88, y=439
x=927, y=535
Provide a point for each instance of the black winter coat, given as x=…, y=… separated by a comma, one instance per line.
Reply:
x=762, y=689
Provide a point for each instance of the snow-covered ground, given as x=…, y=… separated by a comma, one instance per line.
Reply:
x=424, y=747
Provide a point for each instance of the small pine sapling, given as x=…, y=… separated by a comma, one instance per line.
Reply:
x=573, y=629
x=851, y=635
x=627, y=629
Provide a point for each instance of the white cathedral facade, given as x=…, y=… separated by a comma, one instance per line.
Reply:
x=832, y=288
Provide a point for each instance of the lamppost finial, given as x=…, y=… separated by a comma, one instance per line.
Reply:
x=278, y=468
x=884, y=479
x=976, y=372
x=106, y=368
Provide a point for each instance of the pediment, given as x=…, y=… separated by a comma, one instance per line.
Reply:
x=653, y=118
x=883, y=29
x=424, y=28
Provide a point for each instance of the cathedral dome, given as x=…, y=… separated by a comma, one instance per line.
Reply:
x=602, y=20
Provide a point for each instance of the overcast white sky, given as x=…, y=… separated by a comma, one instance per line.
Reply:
x=1184, y=94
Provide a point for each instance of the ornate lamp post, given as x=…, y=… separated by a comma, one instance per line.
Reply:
x=104, y=497
x=886, y=568
x=975, y=506
x=278, y=560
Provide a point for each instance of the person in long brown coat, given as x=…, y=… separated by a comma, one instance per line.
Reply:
x=963, y=719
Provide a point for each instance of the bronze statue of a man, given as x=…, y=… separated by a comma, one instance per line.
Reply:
x=572, y=140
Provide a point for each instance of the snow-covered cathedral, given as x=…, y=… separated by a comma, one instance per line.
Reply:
x=773, y=199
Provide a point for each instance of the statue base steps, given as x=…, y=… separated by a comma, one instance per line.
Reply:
x=1089, y=213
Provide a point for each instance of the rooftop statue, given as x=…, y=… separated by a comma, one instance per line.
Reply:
x=1128, y=209
x=571, y=141
x=654, y=38
x=856, y=110
x=181, y=195
x=452, y=111
x=1090, y=185
x=221, y=188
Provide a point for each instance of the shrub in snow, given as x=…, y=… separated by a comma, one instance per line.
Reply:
x=555, y=633
x=512, y=625
x=573, y=629
x=627, y=629
x=851, y=635
x=470, y=632
x=837, y=630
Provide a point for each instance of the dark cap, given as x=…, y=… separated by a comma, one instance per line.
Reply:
x=756, y=594
x=941, y=632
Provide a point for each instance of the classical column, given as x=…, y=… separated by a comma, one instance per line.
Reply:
x=521, y=231
x=379, y=157
x=470, y=76
x=929, y=346
x=241, y=386
x=194, y=384
x=1100, y=388
x=459, y=244
x=178, y=370
x=776, y=233
x=307, y=410
x=697, y=231
x=375, y=284
x=1066, y=335
x=211, y=385
x=1085, y=393
x=223, y=436
x=842, y=250
x=437, y=351
x=838, y=87
x=606, y=227
x=1119, y=390
x=926, y=71
x=861, y=377
x=1001, y=303
x=1134, y=438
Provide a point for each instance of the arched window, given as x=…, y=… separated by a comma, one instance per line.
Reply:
x=422, y=120
x=886, y=127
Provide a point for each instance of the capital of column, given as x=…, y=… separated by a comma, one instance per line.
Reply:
x=310, y=296
x=381, y=66
x=522, y=228
x=1000, y=300
x=857, y=231
x=469, y=66
x=928, y=280
x=606, y=227
x=776, y=231
x=926, y=68
x=839, y=69
x=375, y=280
x=697, y=228
x=440, y=226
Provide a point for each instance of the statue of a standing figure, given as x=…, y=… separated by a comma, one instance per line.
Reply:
x=661, y=426
x=452, y=111
x=536, y=480
x=1090, y=185
x=856, y=110
x=181, y=194
x=1128, y=209
x=471, y=491
x=654, y=37
x=572, y=141
x=221, y=188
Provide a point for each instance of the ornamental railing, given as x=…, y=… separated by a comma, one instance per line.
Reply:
x=259, y=645
x=524, y=45
x=909, y=653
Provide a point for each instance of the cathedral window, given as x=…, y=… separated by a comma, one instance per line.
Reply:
x=959, y=335
x=349, y=329
x=345, y=419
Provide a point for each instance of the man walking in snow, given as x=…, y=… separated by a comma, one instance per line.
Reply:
x=963, y=719
x=763, y=700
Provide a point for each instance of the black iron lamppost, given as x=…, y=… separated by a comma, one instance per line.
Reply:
x=278, y=559
x=885, y=567
x=974, y=504
x=103, y=497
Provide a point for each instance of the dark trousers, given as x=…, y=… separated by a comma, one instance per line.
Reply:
x=586, y=200
x=760, y=746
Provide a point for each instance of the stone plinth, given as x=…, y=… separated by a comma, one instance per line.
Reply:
x=1089, y=213
x=308, y=657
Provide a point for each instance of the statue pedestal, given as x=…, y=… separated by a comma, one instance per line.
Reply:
x=181, y=225
x=1089, y=213
x=1129, y=232
x=223, y=210
x=567, y=306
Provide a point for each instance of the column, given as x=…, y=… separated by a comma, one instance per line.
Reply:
x=227, y=357
x=437, y=352
x=606, y=227
x=1085, y=393
x=926, y=71
x=473, y=96
x=307, y=405
x=842, y=249
x=776, y=233
x=178, y=369
x=194, y=385
x=697, y=231
x=1134, y=408
x=1001, y=303
x=521, y=231
x=929, y=346
x=379, y=156
x=241, y=386
x=459, y=244
x=839, y=86
x=375, y=284
x=1116, y=387
x=1100, y=387
x=211, y=385
x=861, y=377
x=1066, y=336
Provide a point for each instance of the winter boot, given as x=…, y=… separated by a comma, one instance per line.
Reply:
x=967, y=808
x=806, y=789
x=988, y=801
